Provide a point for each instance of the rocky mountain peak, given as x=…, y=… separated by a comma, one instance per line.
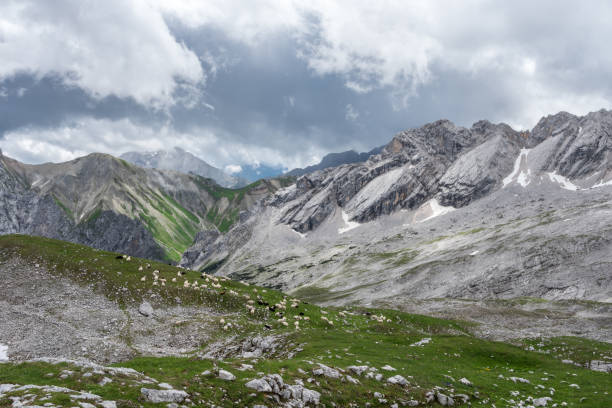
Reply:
x=180, y=160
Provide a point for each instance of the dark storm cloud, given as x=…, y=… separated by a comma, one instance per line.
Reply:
x=47, y=102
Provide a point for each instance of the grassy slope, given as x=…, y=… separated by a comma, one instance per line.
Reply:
x=354, y=339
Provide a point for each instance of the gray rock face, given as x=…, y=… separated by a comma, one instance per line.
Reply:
x=479, y=171
x=575, y=147
x=158, y=396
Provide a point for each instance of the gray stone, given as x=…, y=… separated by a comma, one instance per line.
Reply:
x=157, y=396
x=397, y=379
x=226, y=375
x=326, y=371
x=259, y=385
x=145, y=309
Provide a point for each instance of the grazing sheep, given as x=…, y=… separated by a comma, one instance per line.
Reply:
x=144, y=278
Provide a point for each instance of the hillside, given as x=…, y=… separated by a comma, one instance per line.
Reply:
x=105, y=202
x=196, y=341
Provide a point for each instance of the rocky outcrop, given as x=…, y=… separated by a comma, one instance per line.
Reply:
x=482, y=169
x=294, y=395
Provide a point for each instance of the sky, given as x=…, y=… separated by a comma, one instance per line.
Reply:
x=276, y=84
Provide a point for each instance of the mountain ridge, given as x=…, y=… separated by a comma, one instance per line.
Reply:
x=334, y=160
x=521, y=214
x=98, y=198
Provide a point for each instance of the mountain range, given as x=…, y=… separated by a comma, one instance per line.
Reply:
x=107, y=203
x=443, y=211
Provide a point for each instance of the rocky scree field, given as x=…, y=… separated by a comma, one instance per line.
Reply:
x=120, y=331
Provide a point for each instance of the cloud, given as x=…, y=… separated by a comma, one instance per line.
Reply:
x=84, y=135
x=233, y=168
x=351, y=113
x=397, y=46
x=115, y=47
x=283, y=83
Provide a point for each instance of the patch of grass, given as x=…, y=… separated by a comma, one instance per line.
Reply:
x=94, y=216
x=61, y=205
x=579, y=350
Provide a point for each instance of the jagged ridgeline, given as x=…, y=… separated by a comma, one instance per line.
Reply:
x=105, y=202
x=443, y=211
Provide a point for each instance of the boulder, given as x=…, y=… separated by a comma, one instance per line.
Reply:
x=397, y=379
x=226, y=375
x=145, y=309
x=157, y=396
x=259, y=385
x=326, y=371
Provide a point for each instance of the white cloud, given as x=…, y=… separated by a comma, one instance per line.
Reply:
x=85, y=135
x=113, y=47
x=399, y=45
x=351, y=113
x=233, y=168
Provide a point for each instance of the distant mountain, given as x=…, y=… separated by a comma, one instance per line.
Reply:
x=105, y=202
x=334, y=160
x=182, y=161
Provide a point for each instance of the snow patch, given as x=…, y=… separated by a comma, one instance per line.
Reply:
x=302, y=235
x=3, y=353
x=603, y=184
x=349, y=225
x=520, y=172
x=523, y=178
x=563, y=181
x=435, y=209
